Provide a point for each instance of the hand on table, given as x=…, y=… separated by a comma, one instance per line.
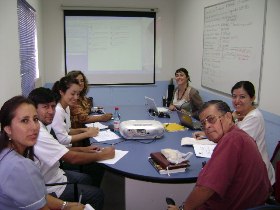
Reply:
x=199, y=135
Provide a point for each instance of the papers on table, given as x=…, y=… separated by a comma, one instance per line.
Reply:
x=106, y=135
x=97, y=125
x=192, y=141
x=202, y=148
x=118, y=155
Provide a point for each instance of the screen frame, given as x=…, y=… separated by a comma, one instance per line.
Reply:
x=113, y=13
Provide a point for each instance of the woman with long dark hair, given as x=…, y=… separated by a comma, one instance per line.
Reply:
x=21, y=184
x=67, y=90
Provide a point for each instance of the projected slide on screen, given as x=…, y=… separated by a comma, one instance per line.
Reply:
x=111, y=50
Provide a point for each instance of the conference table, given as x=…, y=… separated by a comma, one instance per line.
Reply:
x=135, y=165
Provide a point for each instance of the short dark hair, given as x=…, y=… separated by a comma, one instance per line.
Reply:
x=185, y=71
x=247, y=86
x=221, y=106
x=41, y=95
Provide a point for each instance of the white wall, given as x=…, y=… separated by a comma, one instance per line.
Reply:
x=54, y=37
x=9, y=51
x=189, y=45
x=179, y=42
x=10, y=82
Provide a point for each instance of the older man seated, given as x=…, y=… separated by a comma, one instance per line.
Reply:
x=235, y=177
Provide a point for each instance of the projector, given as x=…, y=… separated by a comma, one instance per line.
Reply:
x=141, y=129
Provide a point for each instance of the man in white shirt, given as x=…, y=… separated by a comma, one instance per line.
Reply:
x=49, y=151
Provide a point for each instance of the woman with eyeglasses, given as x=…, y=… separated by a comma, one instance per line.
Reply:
x=22, y=185
x=250, y=119
x=185, y=97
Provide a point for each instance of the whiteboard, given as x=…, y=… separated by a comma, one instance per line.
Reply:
x=233, y=44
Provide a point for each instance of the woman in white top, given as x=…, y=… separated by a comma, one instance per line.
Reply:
x=185, y=97
x=249, y=118
x=67, y=90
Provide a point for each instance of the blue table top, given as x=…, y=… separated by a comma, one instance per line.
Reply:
x=135, y=163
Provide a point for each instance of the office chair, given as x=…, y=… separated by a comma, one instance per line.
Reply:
x=275, y=160
x=76, y=196
x=265, y=207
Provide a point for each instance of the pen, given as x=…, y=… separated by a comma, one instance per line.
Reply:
x=80, y=198
x=200, y=136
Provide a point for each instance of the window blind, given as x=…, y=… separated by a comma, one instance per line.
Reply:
x=28, y=45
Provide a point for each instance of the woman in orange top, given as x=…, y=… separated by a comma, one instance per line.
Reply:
x=80, y=113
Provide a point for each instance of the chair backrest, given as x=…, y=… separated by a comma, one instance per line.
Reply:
x=275, y=161
x=265, y=207
x=277, y=183
x=276, y=156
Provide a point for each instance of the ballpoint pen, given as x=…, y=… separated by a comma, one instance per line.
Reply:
x=80, y=198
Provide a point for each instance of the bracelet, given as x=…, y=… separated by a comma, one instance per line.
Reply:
x=65, y=203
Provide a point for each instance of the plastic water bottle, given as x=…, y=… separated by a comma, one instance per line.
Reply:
x=117, y=120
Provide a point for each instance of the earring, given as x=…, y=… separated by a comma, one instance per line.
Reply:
x=10, y=139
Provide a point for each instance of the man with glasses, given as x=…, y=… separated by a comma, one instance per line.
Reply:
x=235, y=177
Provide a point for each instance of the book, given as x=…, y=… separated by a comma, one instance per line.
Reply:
x=160, y=170
x=191, y=141
x=163, y=166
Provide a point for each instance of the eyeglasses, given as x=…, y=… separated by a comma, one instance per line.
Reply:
x=212, y=119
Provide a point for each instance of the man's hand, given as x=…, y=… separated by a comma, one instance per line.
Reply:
x=199, y=135
x=92, y=131
x=90, y=149
x=107, y=153
x=172, y=207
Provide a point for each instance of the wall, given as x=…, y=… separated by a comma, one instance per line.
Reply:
x=10, y=81
x=188, y=52
x=189, y=44
x=9, y=51
x=54, y=37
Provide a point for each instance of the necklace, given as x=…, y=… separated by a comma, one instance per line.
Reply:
x=178, y=99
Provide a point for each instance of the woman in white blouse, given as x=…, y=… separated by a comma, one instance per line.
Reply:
x=67, y=90
x=249, y=118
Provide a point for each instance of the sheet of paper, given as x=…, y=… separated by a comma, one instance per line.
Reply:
x=106, y=135
x=97, y=125
x=203, y=150
x=88, y=207
x=192, y=141
x=118, y=155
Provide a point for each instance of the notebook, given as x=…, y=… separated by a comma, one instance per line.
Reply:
x=187, y=121
x=151, y=104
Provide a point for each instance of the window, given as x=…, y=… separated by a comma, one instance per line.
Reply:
x=28, y=46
